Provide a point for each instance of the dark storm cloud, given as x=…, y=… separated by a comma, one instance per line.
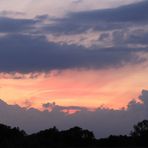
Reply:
x=107, y=19
x=102, y=121
x=23, y=53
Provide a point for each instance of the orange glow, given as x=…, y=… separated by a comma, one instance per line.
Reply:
x=112, y=88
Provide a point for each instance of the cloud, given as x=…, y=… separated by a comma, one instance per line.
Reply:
x=11, y=25
x=56, y=7
x=76, y=22
x=132, y=37
x=102, y=121
x=106, y=19
x=120, y=24
x=6, y=13
x=25, y=41
x=54, y=106
x=24, y=54
x=138, y=37
x=144, y=97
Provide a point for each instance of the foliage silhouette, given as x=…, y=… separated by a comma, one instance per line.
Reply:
x=73, y=137
x=10, y=136
x=140, y=133
x=141, y=129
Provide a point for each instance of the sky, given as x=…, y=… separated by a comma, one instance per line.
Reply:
x=102, y=121
x=73, y=54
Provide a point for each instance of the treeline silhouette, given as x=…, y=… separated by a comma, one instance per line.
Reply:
x=72, y=138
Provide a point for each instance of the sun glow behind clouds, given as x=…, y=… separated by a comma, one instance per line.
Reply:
x=112, y=88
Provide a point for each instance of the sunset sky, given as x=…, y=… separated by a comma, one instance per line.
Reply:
x=84, y=53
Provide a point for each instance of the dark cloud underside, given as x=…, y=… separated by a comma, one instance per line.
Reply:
x=24, y=47
x=22, y=53
x=107, y=19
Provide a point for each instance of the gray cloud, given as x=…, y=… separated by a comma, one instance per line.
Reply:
x=24, y=47
x=23, y=53
x=138, y=38
x=11, y=13
x=54, y=106
x=107, y=19
x=102, y=121
x=11, y=25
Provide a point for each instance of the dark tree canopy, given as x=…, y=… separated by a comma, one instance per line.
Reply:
x=141, y=129
x=75, y=137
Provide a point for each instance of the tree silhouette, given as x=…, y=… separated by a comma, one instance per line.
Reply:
x=74, y=137
x=10, y=136
x=141, y=129
x=140, y=133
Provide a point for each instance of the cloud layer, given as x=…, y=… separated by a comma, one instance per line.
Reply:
x=102, y=121
x=120, y=33
x=106, y=19
x=22, y=53
x=56, y=7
